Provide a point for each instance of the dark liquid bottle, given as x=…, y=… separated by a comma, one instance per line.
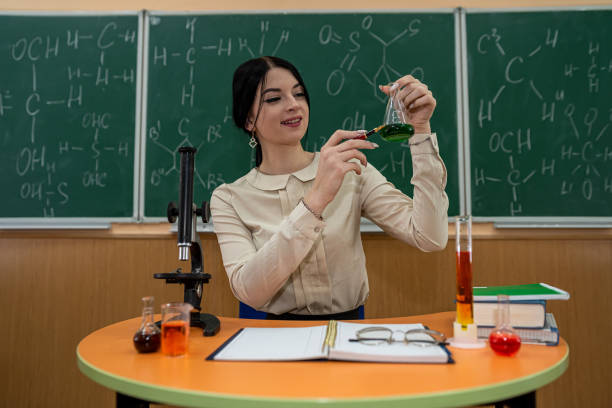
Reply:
x=148, y=337
x=147, y=342
x=396, y=132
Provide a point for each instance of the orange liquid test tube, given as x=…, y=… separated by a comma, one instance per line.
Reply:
x=464, y=297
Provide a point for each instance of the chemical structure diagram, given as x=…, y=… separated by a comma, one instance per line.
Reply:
x=383, y=74
x=588, y=147
x=224, y=46
x=210, y=181
x=36, y=161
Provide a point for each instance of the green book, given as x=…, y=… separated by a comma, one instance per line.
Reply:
x=533, y=291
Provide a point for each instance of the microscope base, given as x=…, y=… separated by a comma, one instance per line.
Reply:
x=209, y=323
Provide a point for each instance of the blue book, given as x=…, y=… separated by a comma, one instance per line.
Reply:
x=548, y=335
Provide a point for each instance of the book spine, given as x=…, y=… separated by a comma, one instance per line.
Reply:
x=549, y=335
x=527, y=336
x=484, y=318
x=225, y=344
x=330, y=336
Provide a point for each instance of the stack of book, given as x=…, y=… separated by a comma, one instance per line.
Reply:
x=528, y=314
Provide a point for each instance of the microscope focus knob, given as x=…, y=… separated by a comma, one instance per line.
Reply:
x=172, y=212
x=204, y=211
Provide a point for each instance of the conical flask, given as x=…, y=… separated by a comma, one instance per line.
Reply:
x=395, y=124
x=148, y=337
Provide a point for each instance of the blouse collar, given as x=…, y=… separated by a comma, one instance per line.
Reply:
x=269, y=182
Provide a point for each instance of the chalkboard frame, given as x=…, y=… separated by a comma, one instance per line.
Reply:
x=366, y=225
x=9, y=223
x=513, y=221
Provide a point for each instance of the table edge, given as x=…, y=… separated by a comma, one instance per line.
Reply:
x=453, y=398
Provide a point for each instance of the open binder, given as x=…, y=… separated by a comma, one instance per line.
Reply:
x=327, y=342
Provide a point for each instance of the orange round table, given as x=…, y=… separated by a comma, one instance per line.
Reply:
x=108, y=357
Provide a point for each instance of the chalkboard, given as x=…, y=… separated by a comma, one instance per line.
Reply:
x=342, y=58
x=540, y=113
x=68, y=116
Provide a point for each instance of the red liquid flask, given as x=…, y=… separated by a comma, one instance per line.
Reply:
x=503, y=340
x=148, y=337
x=505, y=343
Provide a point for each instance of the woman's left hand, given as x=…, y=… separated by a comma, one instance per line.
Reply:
x=418, y=99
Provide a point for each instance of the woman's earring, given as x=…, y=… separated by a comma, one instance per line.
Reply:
x=253, y=141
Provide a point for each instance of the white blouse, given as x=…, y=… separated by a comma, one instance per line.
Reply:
x=280, y=258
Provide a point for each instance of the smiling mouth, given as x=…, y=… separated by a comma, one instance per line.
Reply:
x=292, y=122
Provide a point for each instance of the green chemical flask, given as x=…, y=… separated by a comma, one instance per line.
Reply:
x=395, y=124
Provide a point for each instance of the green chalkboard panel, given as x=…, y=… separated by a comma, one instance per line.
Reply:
x=540, y=113
x=68, y=115
x=342, y=57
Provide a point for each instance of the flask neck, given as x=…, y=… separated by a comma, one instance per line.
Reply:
x=503, y=311
x=147, y=310
x=147, y=313
x=148, y=317
x=395, y=111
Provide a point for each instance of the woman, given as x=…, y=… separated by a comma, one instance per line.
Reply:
x=289, y=229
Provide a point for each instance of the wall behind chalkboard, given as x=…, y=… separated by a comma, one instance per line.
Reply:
x=342, y=57
x=540, y=122
x=68, y=115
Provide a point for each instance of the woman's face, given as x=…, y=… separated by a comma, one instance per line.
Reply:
x=283, y=118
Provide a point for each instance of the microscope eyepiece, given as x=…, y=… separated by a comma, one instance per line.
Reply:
x=186, y=211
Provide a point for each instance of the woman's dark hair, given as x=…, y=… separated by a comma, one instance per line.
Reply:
x=247, y=78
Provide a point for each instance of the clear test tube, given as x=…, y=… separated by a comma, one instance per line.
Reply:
x=464, y=297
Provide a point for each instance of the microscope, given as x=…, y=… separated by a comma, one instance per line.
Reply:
x=190, y=246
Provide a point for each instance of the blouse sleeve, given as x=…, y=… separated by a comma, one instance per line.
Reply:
x=255, y=276
x=421, y=221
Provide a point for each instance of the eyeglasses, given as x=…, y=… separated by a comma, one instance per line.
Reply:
x=376, y=335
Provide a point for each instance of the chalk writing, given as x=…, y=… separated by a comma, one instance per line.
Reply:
x=384, y=73
x=67, y=131
x=341, y=57
x=539, y=121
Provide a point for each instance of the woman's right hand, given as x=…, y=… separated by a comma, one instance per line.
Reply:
x=334, y=164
